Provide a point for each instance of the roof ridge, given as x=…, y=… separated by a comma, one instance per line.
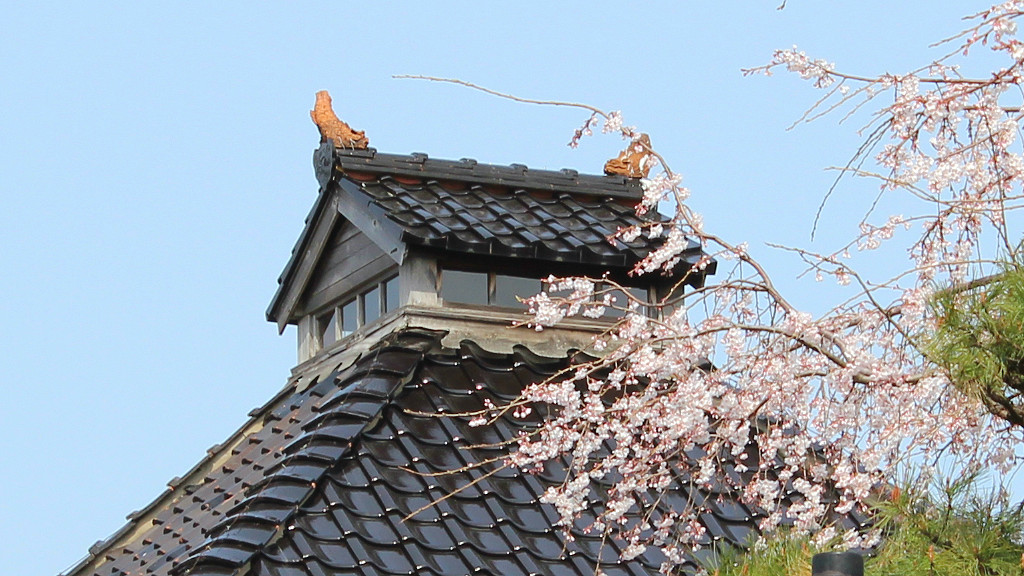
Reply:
x=469, y=170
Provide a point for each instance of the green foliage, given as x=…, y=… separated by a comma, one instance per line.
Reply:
x=783, y=554
x=956, y=529
x=980, y=341
x=953, y=530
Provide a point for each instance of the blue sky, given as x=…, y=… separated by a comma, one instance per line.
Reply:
x=155, y=170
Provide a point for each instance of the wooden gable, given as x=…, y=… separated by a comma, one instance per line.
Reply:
x=349, y=260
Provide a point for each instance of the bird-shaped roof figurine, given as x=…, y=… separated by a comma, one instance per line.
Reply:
x=332, y=128
x=633, y=162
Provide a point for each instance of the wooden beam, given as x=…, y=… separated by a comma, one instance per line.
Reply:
x=322, y=228
x=419, y=281
x=371, y=219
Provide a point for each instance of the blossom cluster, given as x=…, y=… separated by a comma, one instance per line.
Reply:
x=801, y=417
x=820, y=71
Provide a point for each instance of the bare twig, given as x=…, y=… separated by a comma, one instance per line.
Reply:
x=504, y=95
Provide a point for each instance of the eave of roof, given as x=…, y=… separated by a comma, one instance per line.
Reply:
x=289, y=285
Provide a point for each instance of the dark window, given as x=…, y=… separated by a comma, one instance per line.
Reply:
x=371, y=304
x=464, y=287
x=506, y=288
x=349, y=317
x=622, y=301
x=391, y=294
x=328, y=324
x=368, y=307
x=503, y=290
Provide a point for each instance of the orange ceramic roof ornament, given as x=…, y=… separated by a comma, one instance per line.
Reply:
x=332, y=128
x=633, y=162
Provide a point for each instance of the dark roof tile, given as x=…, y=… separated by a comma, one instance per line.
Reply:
x=509, y=211
x=224, y=555
x=371, y=483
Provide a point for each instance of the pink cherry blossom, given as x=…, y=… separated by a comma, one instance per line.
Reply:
x=735, y=383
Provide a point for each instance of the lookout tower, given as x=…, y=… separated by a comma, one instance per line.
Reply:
x=441, y=244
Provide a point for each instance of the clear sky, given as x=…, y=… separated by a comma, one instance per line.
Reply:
x=155, y=171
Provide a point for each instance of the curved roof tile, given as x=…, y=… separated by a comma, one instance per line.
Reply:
x=355, y=473
x=534, y=214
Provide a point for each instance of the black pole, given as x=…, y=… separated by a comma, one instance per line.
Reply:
x=837, y=564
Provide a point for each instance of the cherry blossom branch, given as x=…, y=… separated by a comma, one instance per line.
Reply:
x=733, y=382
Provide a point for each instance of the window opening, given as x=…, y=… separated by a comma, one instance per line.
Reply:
x=621, y=300
x=367, y=307
x=371, y=304
x=458, y=286
x=464, y=287
x=328, y=324
x=506, y=288
x=391, y=294
x=349, y=317
x=487, y=288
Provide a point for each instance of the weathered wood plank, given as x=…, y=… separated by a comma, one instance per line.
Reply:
x=376, y=267
x=420, y=281
x=338, y=255
x=351, y=259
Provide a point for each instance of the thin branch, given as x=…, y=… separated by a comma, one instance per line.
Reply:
x=504, y=95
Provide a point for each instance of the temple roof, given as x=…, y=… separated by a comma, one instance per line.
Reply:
x=365, y=462
x=372, y=468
